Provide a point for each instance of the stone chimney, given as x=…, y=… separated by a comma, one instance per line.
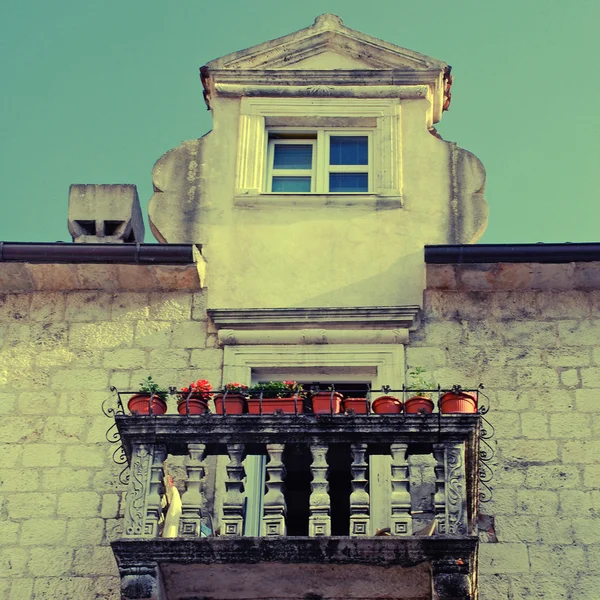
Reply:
x=105, y=214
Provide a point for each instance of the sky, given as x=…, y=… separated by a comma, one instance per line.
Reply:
x=97, y=92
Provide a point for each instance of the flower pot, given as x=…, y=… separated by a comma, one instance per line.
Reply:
x=360, y=406
x=234, y=404
x=274, y=405
x=418, y=404
x=198, y=405
x=387, y=405
x=453, y=402
x=138, y=405
x=327, y=403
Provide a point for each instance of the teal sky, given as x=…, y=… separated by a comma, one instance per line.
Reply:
x=97, y=92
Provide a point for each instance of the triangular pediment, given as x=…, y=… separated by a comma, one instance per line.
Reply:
x=326, y=45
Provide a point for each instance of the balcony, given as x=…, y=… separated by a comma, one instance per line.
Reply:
x=327, y=478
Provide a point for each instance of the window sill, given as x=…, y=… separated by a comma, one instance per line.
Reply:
x=370, y=201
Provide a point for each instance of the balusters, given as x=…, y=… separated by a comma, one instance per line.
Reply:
x=233, y=502
x=319, y=522
x=401, y=523
x=274, y=501
x=359, y=498
x=143, y=495
x=439, y=500
x=192, y=499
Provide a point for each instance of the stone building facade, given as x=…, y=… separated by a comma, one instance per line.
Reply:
x=523, y=320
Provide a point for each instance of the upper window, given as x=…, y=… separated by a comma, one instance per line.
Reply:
x=321, y=162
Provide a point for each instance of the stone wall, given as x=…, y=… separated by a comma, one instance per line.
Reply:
x=59, y=493
x=537, y=350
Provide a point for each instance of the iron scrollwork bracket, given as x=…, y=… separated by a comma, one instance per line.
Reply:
x=112, y=434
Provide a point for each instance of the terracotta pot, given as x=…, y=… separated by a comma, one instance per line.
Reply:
x=234, y=404
x=418, y=404
x=324, y=404
x=387, y=405
x=138, y=405
x=451, y=402
x=359, y=405
x=198, y=405
x=273, y=405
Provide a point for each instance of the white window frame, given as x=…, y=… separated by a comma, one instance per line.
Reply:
x=380, y=117
x=321, y=167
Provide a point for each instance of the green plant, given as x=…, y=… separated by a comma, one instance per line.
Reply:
x=198, y=388
x=149, y=386
x=236, y=388
x=277, y=389
x=419, y=383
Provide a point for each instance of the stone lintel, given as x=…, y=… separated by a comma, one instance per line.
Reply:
x=368, y=317
x=313, y=336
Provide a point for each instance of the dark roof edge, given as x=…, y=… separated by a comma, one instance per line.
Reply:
x=62, y=252
x=513, y=253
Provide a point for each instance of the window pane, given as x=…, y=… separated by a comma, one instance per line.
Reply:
x=293, y=156
x=348, y=150
x=291, y=184
x=348, y=182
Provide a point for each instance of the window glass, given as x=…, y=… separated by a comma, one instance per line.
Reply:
x=293, y=156
x=348, y=150
x=291, y=184
x=348, y=182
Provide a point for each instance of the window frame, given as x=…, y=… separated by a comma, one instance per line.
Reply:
x=320, y=139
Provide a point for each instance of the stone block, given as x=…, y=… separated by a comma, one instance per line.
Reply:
x=168, y=358
x=129, y=358
x=13, y=561
x=587, y=531
x=199, y=307
x=555, y=531
x=535, y=425
x=537, y=502
x=571, y=426
x=507, y=476
x=10, y=455
x=441, y=334
x=79, y=504
x=102, y=335
x=48, y=306
x=576, y=502
x=65, y=429
x=537, y=377
x=14, y=307
x=504, y=501
x=581, y=451
x=516, y=528
x=92, y=306
x=552, y=400
x=189, y=335
x=105, y=214
x=21, y=589
x=41, y=455
x=568, y=356
x=9, y=533
x=171, y=306
x=130, y=306
x=107, y=587
x=85, y=532
x=556, y=559
x=99, y=560
x=587, y=400
x=506, y=425
x=63, y=478
x=110, y=506
x=591, y=476
x=427, y=357
x=579, y=333
x=547, y=586
x=18, y=480
x=24, y=505
x=63, y=588
x=119, y=380
x=507, y=400
x=65, y=380
x=19, y=430
x=153, y=334
x=553, y=477
x=570, y=378
x=586, y=587
x=503, y=558
x=39, y=532
x=528, y=451
x=86, y=456
x=442, y=277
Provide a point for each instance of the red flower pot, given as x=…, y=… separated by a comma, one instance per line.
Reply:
x=198, y=405
x=138, y=405
x=359, y=405
x=273, y=405
x=452, y=402
x=418, y=404
x=327, y=403
x=234, y=404
x=387, y=405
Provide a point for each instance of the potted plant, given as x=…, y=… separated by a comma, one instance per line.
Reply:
x=457, y=401
x=276, y=396
x=233, y=399
x=387, y=405
x=358, y=406
x=421, y=402
x=151, y=399
x=194, y=398
x=326, y=402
